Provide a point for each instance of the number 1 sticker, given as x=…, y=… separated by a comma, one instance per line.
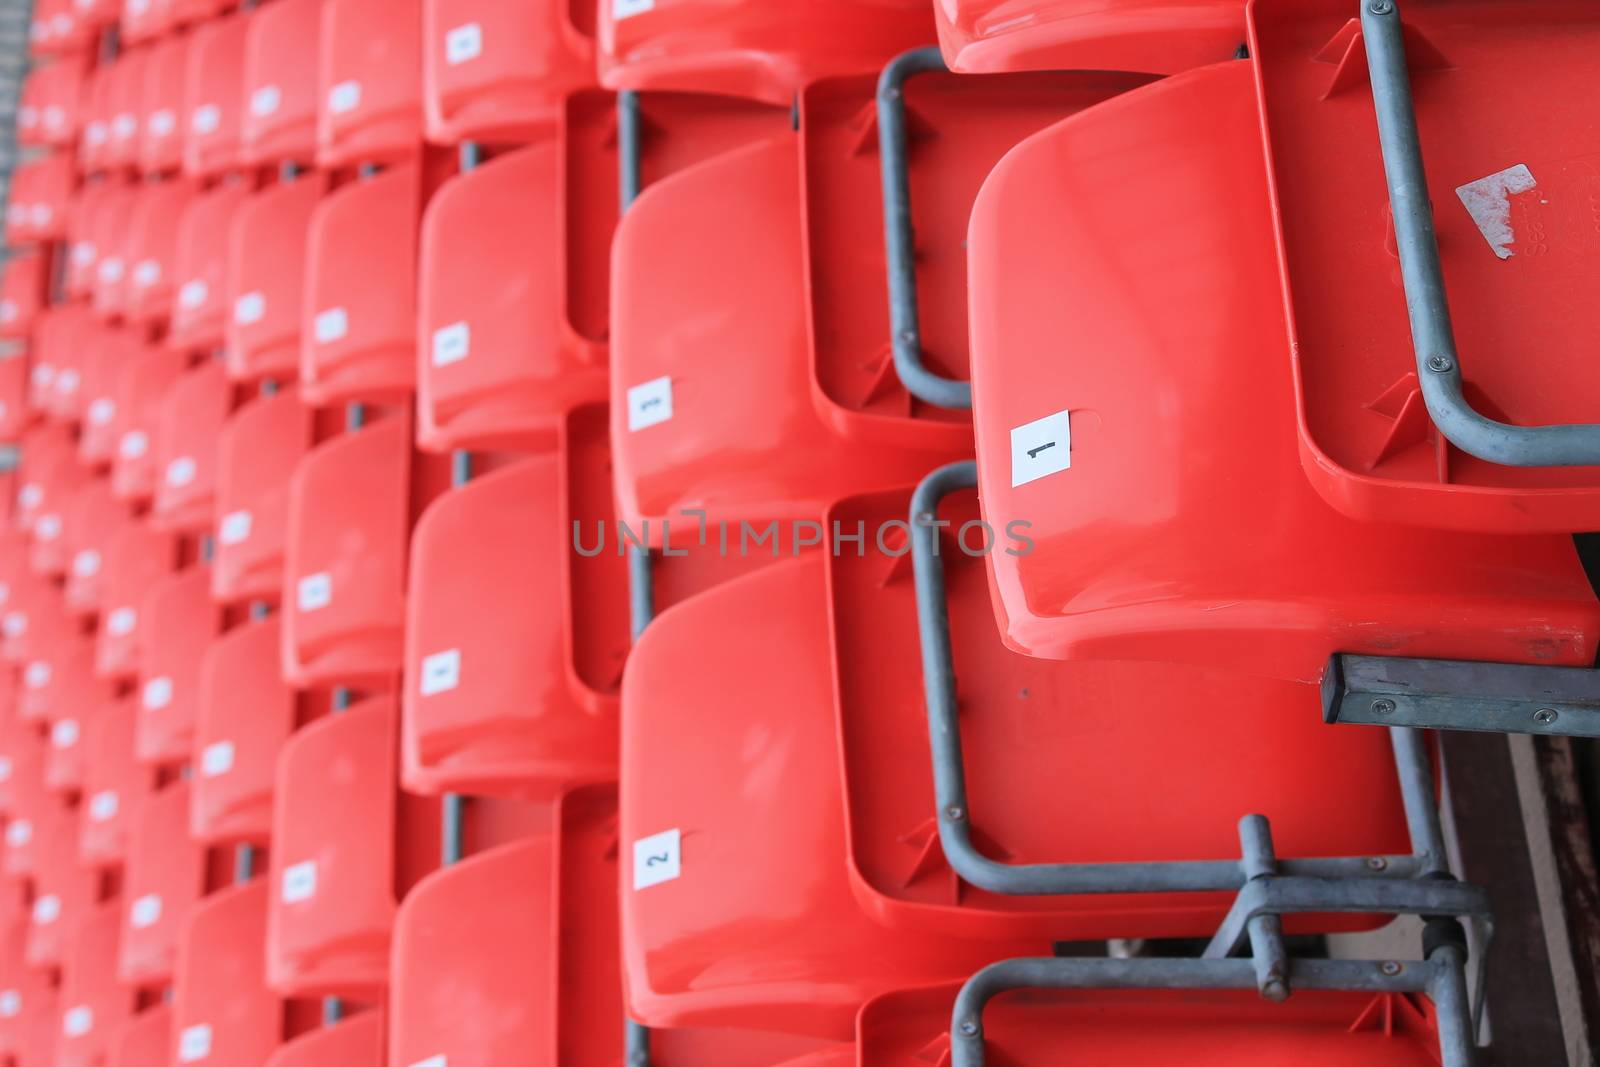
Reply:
x=1041, y=447
x=656, y=859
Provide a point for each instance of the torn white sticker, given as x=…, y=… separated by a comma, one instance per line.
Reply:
x=1488, y=201
x=1041, y=447
x=657, y=858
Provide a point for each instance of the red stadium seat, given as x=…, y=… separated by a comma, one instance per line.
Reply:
x=370, y=79
x=61, y=26
x=61, y=336
x=142, y=384
x=46, y=457
x=113, y=260
x=41, y=191
x=94, y=1005
x=53, y=100
x=162, y=882
x=143, y=20
x=22, y=756
x=191, y=12
x=144, y=1041
x=748, y=48
x=89, y=520
x=214, y=93
x=358, y=325
x=333, y=855
x=200, y=269
x=33, y=618
x=26, y=992
x=499, y=70
x=125, y=109
x=115, y=785
x=257, y=451
x=165, y=115
x=15, y=415
x=246, y=714
x=1150, y=541
x=21, y=294
x=344, y=566
x=500, y=358
x=192, y=415
x=525, y=699
x=56, y=685
x=280, y=78
x=176, y=619
x=1158, y=36
x=64, y=892
x=152, y=247
x=79, y=701
x=94, y=145
x=357, y=1041
x=96, y=201
x=266, y=271
x=110, y=350
x=136, y=559
x=222, y=1011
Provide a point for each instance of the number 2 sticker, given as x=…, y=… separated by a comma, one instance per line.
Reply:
x=657, y=858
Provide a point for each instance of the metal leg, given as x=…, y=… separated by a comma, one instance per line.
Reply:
x=1418, y=794
x=1267, y=950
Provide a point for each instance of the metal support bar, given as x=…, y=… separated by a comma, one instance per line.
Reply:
x=899, y=239
x=1460, y=695
x=628, y=149
x=244, y=863
x=1438, y=363
x=1267, y=950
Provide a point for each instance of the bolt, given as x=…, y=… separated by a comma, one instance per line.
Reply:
x=1275, y=989
x=1390, y=968
x=1382, y=706
x=1440, y=364
x=954, y=812
x=1546, y=716
x=1382, y=7
x=970, y=1029
x=1377, y=863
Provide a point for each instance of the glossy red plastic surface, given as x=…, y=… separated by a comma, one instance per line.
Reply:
x=246, y=713
x=1159, y=36
x=1523, y=319
x=358, y=328
x=213, y=91
x=266, y=272
x=110, y=350
x=41, y=191
x=333, y=855
x=115, y=785
x=21, y=294
x=142, y=385
x=220, y=1001
x=352, y=1042
x=370, y=80
x=750, y=48
x=145, y=19
x=61, y=26
x=524, y=698
x=89, y=520
x=257, y=450
x=93, y=1003
x=499, y=361
x=176, y=620
x=33, y=816
x=64, y=892
x=760, y=928
x=51, y=110
x=135, y=560
x=200, y=268
x=163, y=880
x=94, y=143
x=15, y=414
x=500, y=69
x=143, y=1041
x=96, y=200
x=28, y=989
x=280, y=82
x=192, y=415
x=1195, y=537
x=344, y=566
x=165, y=115
x=110, y=238
x=152, y=249
x=125, y=108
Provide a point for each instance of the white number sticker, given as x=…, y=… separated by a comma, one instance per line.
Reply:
x=314, y=591
x=657, y=858
x=265, y=100
x=330, y=325
x=300, y=882
x=146, y=911
x=64, y=734
x=626, y=9
x=649, y=403
x=120, y=623
x=103, y=806
x=1041, y=447
x=463, y=43
x=180, y=472
x=234, y=528
x=249, y=308
x=76, y=1022
x=346, y=96
x=193, y=293
x=451, y=343
x=441, y=672
x=216, y=759
x=206, y=119
x=157, y=693
x=194, y=1043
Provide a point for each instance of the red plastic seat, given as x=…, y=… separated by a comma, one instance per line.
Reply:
x=33, y=618
x=165, y=117
x=280, y=79
x=15, y=415
x=222, y=1011
x=164, y=879
x=41, y=191
x=143, y=1041
x=370, y=81
x=257, y=451
x=344, y=565
x=94, y=144
x=29, y=809
x=125, y=109
x=200, y=269
x=94, y=1005
x=110, y=350
x=27, y=991
x=266, y=272
x=192, y=415
x=142, y=384
x=58, y=27
x=499, y=358
x=214, y=95
x=89, y=520
x=713, y=844
x=96, y=200
x=49, y=115
x=54, y=685
x=357, y=1041
x=190, y=12
x=136, y=559
x=1151, y=541
x=150, y=287
x=114, y=256
x=751, y=49
x=115, y=785
x=495, y=70
x=246, y=713
x=686, y=393
x=1159, y=36
x=22, y=756
x=176, y=619
x=333, y=855
x=525, y=700
x=46, y=457
x=21, y=294
x=78, y=702
x=143, y=20
x=61, y=337
x=358, y=324
x=64, y=892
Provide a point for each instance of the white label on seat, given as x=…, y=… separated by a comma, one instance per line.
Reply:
x=54, y=117
x=161, y=123
x=650, y=403
x=134, y=444
x=124, y=125
x=157, y=693
x=102, y=411
x=146, y=911
x=194, y=1044
x=463, y=43
x=67, y=381
x=46, y=910
x=346, y=96
x=95, y=135
x=216, y=758
x=1488, y=201
x=5, y=769
x=47, y=527
x=1040, y=447
x=19, y=833
x=441, y=672
x=265, y=100
x=234, y=528
x=451, y=343
x=64, y=734
x=83, y=253
x=103, y=806
x=111, y=269
x=656, y=859
x=193, y=293
x=10, y=1004
x=433, y=1061
x=41, y=214
x=86, y=564
x=146, y=273
x=330, y=325
x=300, y=882
x=37, y=674
x=75, y=1022
x=120, y=623
x=30, y=495
x=15, y=624
x=251, y=307
x=314, y=591
x=180, y=472
x=206, y=119
x=626, y=9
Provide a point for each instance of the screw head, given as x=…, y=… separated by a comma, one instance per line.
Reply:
x=970, y=1029
x=1382, y=706
x=1381, y=7
x=1546, y=716
x=1440, y=364
x=1390, y=968
x=954, y=812
x=1377, y=863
